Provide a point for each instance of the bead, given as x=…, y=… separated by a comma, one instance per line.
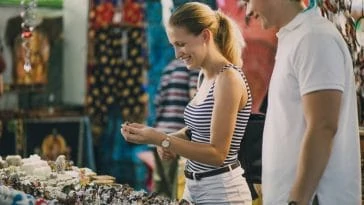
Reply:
x=41, y=201
x=26, y=34
x=27, y=67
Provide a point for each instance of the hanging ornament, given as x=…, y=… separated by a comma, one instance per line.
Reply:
x=359, y=27
x=30, y=21
x=312, y=4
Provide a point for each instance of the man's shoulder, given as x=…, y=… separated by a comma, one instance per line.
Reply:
x=317, y=24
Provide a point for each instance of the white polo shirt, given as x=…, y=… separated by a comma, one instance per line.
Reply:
x=311, y=56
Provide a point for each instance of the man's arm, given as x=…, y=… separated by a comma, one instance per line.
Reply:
x=321, y=111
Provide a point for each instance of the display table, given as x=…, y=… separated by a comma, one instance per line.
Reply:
x=36, y=181
x=27, y=135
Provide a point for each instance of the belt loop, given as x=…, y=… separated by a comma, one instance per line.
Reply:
x=194, y=175
x=231, y=169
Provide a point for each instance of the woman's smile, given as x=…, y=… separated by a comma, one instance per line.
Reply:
x=186, y=59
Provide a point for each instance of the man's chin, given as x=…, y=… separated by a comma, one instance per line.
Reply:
x=265, y=25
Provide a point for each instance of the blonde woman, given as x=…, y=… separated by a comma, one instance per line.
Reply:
x=217, y=115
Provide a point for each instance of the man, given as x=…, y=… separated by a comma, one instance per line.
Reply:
x=311, y=152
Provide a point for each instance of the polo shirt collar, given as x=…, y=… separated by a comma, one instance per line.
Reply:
x=295, y=22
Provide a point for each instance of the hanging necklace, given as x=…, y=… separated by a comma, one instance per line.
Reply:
x=29, y=22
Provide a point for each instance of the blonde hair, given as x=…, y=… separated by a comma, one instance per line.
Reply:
x=196, y=17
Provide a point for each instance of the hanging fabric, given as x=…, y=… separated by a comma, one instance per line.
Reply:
x=133, y=12
x=359, y=26
x=312, y=4
x=116, y=86
x=118, y=76
x=211, y=3
x=160, y=53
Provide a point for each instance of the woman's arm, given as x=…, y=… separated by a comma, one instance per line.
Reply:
x=181, y=134
x=167, y=154
x=228, y=95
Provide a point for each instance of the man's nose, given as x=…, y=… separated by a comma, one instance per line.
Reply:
x=249, y=10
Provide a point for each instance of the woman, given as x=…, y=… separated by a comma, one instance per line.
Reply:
x=217, y=115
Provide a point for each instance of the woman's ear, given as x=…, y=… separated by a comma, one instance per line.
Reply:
x=206, y=35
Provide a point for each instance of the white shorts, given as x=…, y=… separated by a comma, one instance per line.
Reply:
x=223, y=189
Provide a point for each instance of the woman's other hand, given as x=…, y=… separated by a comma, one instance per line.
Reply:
x=140, y=134
x=165, y=154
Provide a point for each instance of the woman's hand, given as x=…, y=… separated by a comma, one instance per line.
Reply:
x=165, y=154
x=140, y=134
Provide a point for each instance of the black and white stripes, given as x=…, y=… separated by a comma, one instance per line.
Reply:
x=198, y=119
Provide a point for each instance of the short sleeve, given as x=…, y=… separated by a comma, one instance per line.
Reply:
x=319, y=63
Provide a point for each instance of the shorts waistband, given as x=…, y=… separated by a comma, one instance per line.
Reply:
x=198, y=176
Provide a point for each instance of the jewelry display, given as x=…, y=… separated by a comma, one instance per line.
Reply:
x=34, y=181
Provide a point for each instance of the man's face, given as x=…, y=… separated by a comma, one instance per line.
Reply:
x=263, y=10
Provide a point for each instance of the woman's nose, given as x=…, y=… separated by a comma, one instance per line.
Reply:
x=177, y=52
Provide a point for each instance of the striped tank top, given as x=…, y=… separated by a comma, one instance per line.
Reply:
x=198, y=120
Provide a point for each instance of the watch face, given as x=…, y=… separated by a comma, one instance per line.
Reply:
x=165, y=143
x=292, y=203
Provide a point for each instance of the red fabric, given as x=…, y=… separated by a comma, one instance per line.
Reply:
x=102, y=15
x=258, y=55
x=148, y=158
x=133, y=12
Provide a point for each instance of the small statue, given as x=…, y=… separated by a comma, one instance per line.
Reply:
x=61, y=164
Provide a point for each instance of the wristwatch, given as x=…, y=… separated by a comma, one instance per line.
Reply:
x=166, y=142
x=292, y=203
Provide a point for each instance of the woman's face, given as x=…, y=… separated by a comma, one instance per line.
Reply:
x=188, y=47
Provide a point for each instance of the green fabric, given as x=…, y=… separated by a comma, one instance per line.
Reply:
x=40, y=3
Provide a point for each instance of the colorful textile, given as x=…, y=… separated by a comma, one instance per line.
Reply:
x=118, y=158
x=160, y=53
x=133, y=12
x=51, y=57
x=117, y=79
x=211, y=3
